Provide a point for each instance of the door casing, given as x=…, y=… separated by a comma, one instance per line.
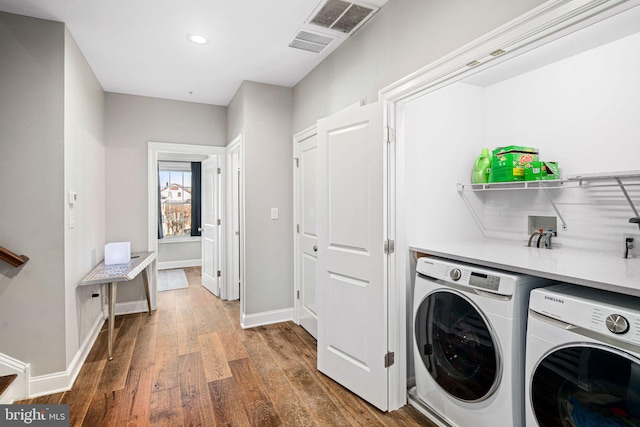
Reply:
x=153, y=150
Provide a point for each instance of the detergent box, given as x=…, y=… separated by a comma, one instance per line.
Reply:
x=538, y=171
x=508, y=163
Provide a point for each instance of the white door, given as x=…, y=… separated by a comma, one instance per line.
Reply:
x=352, y=265
x=307, y=159
x=210, y=229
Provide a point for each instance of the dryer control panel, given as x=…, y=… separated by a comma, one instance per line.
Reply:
x=607, y=313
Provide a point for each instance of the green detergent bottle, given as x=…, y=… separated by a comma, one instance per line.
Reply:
x=482, y=168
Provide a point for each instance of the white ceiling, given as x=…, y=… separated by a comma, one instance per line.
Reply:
x=140, y=47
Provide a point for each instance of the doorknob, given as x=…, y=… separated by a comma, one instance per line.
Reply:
x=315, y=248
x=200, y=229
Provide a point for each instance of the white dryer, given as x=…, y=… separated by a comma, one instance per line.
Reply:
x=582, y=358
x=469, y=332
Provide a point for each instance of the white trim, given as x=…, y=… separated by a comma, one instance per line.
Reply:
x=50, y=383
x=154, y=150
x=544, y=22
x=235, y=146
x=62, y=381
x=131, y=307
x=182, y=239
x=167, y=265
x=297, y=278
x=266, y=318
x=20, y=387
x=397, y=291
x=551, y=20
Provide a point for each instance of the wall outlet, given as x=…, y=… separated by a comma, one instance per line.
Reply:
x=634, y=247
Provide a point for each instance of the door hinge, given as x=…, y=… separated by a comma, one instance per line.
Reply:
x=297, y=228
x=219, y=221
x=389, y=359
x=389, y=246
x=297, y=161
x=389, y=134
x=297, y=294
x=219, y=171
x=219, y=273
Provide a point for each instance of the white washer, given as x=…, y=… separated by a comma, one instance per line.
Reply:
x=469, y=332
x=582, y=358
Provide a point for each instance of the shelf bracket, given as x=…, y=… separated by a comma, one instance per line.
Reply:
x=626, y=195
x=555, y=208
x=471, y=209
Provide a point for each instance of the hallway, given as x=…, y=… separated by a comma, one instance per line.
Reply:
x=190, y=363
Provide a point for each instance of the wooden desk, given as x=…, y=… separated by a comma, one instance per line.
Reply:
x=112, y=274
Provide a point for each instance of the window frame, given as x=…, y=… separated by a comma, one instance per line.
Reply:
x=181, y=167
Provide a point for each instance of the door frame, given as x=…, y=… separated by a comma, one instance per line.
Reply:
x=153, y=150
x=235, y=146
x=297, y=211
x=549, y=21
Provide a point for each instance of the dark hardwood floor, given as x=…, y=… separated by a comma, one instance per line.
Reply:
x=191, y=364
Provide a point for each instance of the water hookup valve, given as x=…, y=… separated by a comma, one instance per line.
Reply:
x=544, y=238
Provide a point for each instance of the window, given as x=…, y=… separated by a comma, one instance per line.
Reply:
x=175, y=198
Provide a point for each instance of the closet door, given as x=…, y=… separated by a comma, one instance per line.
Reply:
x=352, y=266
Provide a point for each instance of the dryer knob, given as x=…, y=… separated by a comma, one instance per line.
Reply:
x=617, y=324
x=455, y=274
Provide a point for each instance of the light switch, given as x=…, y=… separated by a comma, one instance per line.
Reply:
x=73, y=198
x=274, y=213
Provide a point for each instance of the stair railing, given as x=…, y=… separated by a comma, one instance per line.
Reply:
x=12, y=258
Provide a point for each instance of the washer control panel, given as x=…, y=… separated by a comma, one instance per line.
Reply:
x=484, y=281
x=467, y=275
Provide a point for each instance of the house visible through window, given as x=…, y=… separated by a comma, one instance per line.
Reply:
x=175, y=198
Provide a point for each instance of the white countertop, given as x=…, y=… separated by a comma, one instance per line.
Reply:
x=608, y=271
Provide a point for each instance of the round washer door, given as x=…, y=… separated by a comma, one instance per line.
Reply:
x=457, y=346
x=582, y=385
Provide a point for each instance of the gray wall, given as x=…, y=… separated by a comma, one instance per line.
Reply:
x=262, y=113
x=404, y=36
x=131, y=122
x=52, y=137
x=32, y=299
x=84, y=173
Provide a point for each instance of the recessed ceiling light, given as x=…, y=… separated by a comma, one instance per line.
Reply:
x=197, y=39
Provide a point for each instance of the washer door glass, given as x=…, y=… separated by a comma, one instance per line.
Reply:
x=457, y=346
x=586, y=386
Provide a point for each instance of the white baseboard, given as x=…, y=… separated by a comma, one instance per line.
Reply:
x=131, y=307
x=266, y=318
x=165, y=265
x=63, y=381
x=20, y=387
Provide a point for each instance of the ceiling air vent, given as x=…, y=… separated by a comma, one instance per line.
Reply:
x=332, y=22
x=311, y=42
x=342, y=16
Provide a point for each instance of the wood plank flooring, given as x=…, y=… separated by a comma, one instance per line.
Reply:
x=191, y=364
